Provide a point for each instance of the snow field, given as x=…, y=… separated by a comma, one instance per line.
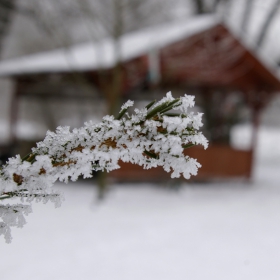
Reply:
x=215, y=231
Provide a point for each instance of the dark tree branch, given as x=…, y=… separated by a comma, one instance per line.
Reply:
x=246, y=16
x=199, y=6
x=269, y=18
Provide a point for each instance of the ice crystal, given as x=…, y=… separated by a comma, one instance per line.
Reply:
x=150, y=137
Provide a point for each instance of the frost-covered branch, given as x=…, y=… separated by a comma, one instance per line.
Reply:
x=149, y=137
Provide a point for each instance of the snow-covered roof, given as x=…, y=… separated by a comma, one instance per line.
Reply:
x=97, y=55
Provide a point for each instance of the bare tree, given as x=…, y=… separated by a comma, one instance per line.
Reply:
x=246, y=16
x=267, y=23
x=7, y=8
x=205, y=6
x=199, y=6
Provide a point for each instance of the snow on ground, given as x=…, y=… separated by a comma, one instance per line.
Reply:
x=215, y=231
x=25, y=130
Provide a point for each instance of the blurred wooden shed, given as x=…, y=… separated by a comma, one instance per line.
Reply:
x=201, y=56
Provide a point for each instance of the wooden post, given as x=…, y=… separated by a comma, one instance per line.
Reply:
x=258, y=100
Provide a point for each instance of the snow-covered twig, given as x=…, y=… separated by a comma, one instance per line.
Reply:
x=149, y=137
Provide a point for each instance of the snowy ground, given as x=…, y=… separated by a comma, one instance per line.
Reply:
x=146, y=232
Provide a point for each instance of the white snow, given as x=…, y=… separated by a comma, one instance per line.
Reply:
x=268, y=141
x=241, y=136
x=101, y=54
x=29, y=130
x=25, y=130
x=216, y=231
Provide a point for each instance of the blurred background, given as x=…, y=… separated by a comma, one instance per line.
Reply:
x=65, y=62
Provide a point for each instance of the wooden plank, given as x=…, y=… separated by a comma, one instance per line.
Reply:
x=218, y=162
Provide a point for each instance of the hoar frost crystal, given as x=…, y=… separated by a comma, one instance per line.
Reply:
x=150, y=137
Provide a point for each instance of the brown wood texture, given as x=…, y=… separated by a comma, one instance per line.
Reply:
x=216, y=59
x=218, y=162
